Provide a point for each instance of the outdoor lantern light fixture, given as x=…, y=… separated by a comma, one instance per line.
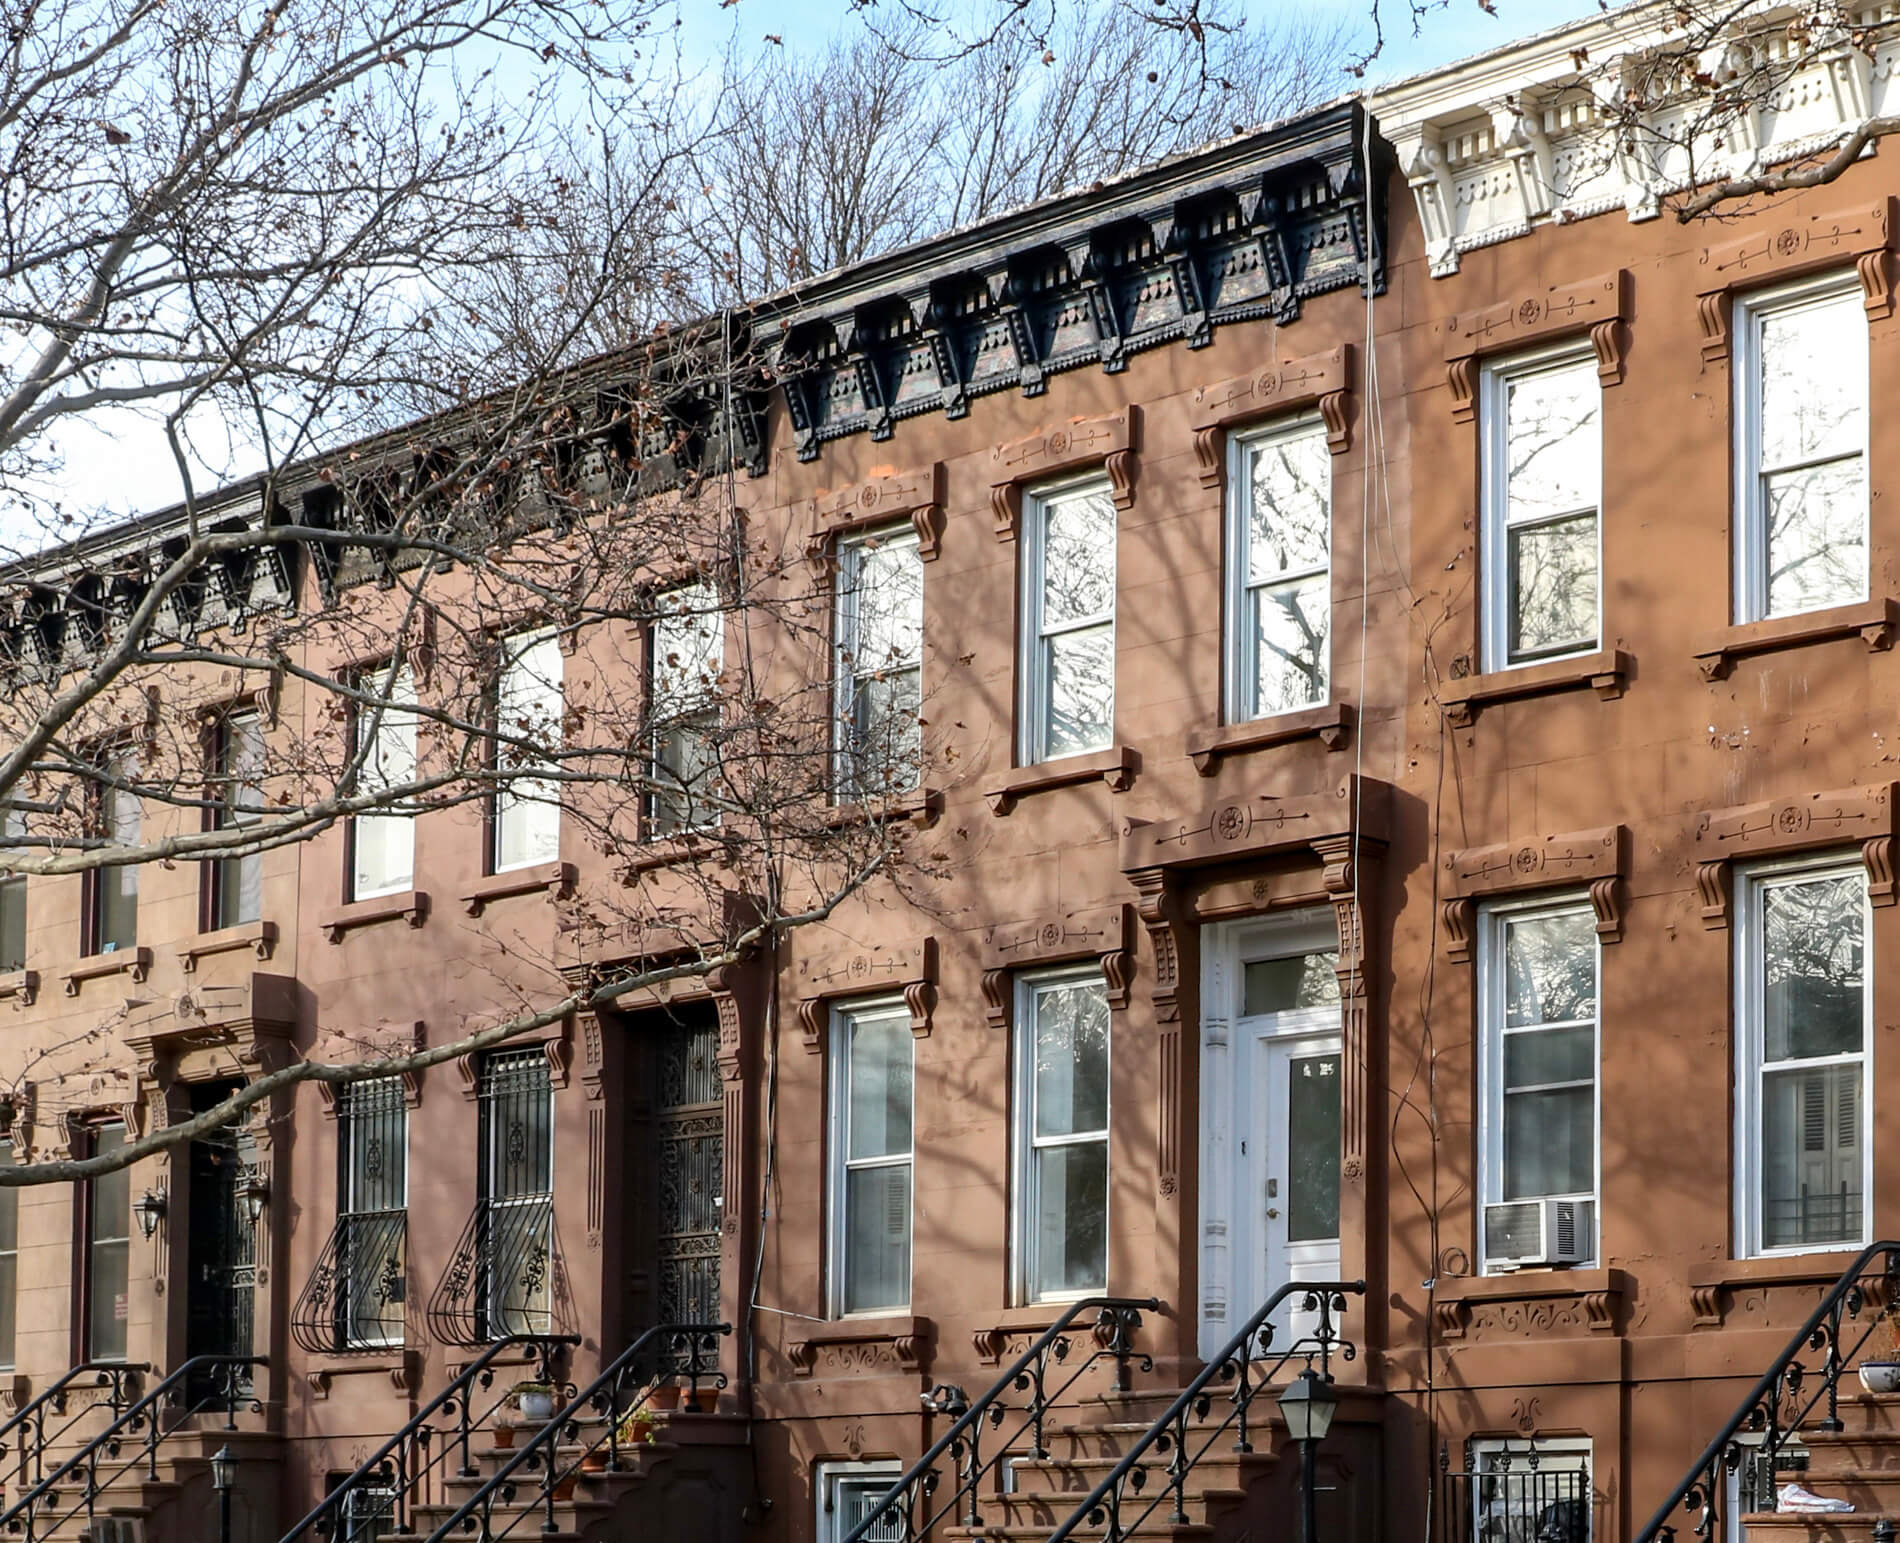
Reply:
x=1307, y=1406
x=149, y=1208
x=223, y=1476
x=255, y=1193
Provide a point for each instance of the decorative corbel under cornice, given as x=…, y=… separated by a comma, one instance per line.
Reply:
x=1597, y=306
x=1324, y=380
x=909, y=967
x=1111, y=439
x=1862, y=234
x=1598, y=858
x=1860, y=817
x=1104, y=932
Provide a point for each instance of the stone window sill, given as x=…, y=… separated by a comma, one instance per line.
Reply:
x=1600, y=1292
x=392, y=1361
x=1331, y=725
x=1117, y=766
x=555, y=880
x=1605, y=672
x=669, y=851
x=1877, y=622
x=1708, y=1296
x=22, y=986
x=861, y=1346
x=259, y=936
x=410, y=905
x=135, y=962
x=922, y=809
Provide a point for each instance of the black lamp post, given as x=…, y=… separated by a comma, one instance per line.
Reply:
x=223, y=1477
x=1307, y=1406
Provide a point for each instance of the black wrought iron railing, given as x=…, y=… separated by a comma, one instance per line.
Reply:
x=54, y=1416
x=500, y=1279
x=1117, y=1507
x=975, y=1448
x=409, y=1471
x=357, y=1296
x=1802, y=1381
x=1517, y=1494
x=527, y=1490
x=206, y=1384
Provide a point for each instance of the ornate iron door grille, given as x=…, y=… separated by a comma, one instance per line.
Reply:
x=517, y=1206
x=691, y=1138
x=223, y=1241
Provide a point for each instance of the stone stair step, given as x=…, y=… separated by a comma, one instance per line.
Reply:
x=1792, y=1527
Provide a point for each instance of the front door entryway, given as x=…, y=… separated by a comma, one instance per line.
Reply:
x=689, y=1174
x=222, y=1239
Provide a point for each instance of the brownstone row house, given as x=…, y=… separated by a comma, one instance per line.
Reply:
x=1404, y=639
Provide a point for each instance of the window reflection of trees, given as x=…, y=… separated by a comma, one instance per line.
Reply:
x=880, y=665
x=1547, y=1063
x=688, y=654
x=1289, y=589
x=1068, y=1178
x=1077, y=621
x=1553, y=470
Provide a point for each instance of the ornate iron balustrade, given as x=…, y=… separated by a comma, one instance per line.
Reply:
x=530, y=1482
x=204, y=1384
x=357, y=1296
x=1806, y=1376
x=1115, y=1506
x=500, y=1280
x=408, y=1471
x=1518, y=1498
x=45, y=1421
x=912, y=1503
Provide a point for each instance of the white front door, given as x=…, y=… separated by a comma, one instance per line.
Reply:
x=1297, y=1075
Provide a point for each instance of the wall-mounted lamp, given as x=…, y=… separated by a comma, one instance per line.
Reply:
x=255, y=1193
x=149, y=1208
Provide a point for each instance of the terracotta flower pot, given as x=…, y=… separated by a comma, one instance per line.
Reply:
x=705, y=1400
x=564, y=1487
x=665, y=1396
x=504, y=1436
x=594, y=1461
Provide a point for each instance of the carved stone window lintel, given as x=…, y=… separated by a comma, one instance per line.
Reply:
x=1103, y=932
x=1862, y=234
x=1598, y=306
x=916, y=492
x=909, y=967
x=1598, y=858
x=1323, y=380
x=1112, y=440
x=1860, y=817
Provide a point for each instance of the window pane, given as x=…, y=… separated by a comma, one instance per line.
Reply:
x=1817, y=536
x=878, y=1088
x=887, y=739
x=1081, y=691
x=1812, y=1000
x=686, y=775
x=1554, y=586
x=117, y=889
x=688, y=649
x=13, y=925
x=1549, y=1143
x=1078, y=557
x=529, y=705
x=1071, y=1059
x=877, y=1236
x=887, y=605
x=1534, y=1058
x=108, y=1238
x=385, y=853
x=1810, y=1165
x=1550, y=969
x=1281, y=985
x=384, y=844
x=1813, y=380
x=1292, y=625
x=1312, y=1130
x=1555, y=450
x=1071, y=1218
x=1290, y=528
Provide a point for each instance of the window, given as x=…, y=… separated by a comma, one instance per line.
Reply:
x=383, y=846
x=372, y=1214
x=687, y=645
x=1800, y=448
x=237, y=882
x=1538, y=1060
x=368, y=1512
x=516, y=1095
x=871, y=1158
x=1529, y=1492
x=1279, y=552
x=1068, y=674
x=13, y=907
x=528, y=705
x=1061, y=1144
x=1543, y=470
x=106, y=1209
x=1802, y=938
x=880, y=633
x=112, y=920
x=9, y=1262
x=847, y=1493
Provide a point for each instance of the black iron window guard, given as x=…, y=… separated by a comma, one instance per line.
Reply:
x=500, y=1281
x=357, y=1295
x=1515, y=1492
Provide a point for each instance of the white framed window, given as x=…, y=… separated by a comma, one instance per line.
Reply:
x=112, y=920
x=528, y=706
x=1531, y=1491
x=1537, y=1055
x=383, y=846
x=13, y=905
x=9, y=1262
x=870, y=1141
x=1061, y=1138
x=1542, y=474
x=848, y=1492
x=687, y=653
x=1800, y=364
x=1279, y=570
x=237, y=883
x=879, y=669
x=1067, y=672
x=1804, y=999
x=372, y=1214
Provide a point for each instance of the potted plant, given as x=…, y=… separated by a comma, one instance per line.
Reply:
x=665, y=1394
x=563, y=1488
x=503, y=1430
x=636, y=1428
x=1880, y=1372
x=703, y=1400
x=535, y=1400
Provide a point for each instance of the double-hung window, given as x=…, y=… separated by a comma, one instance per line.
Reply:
x=106, y=1216
x=238, y=768
x=13, y=906
x=9, y=1262
x=870, y=1140
x=1537, y=1067
x=382, y=845
x=112, y=911
x=687, y=654
x=372, y=1214
x=528, y=710
x=880, y=635
x=1542, y=474
x=1800, y=450
x=1805, y=1002
x=1279, y=566
x=1061, y=1142
x=1068, y=670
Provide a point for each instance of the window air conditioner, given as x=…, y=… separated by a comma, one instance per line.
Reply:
x=1519, y=1233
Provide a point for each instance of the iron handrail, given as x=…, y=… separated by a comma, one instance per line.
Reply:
x=1170, y=1430
x=1119, y=1316
x=604, y=1390
x=110, y=1374
x=453, y=1402
x=1761, y=1410
x=140, y=1416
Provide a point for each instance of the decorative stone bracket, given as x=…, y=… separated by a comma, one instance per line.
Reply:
x=1862, y=233
x=1538, y=1305
x=1106, y=932
x=909, y=967
x=1324, y=380
x=1802, y=823
x=863, y=1347
x=135, y=963
x=1111, y=439
x=916, y=492
x=260, y=937
x=22, y=987
x=1599, y=858
x=410, y=905
x=555, y=880
x=1598, y=306
x=383, y=1042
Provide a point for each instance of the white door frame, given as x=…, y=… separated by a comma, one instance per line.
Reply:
x=1232, y=1245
